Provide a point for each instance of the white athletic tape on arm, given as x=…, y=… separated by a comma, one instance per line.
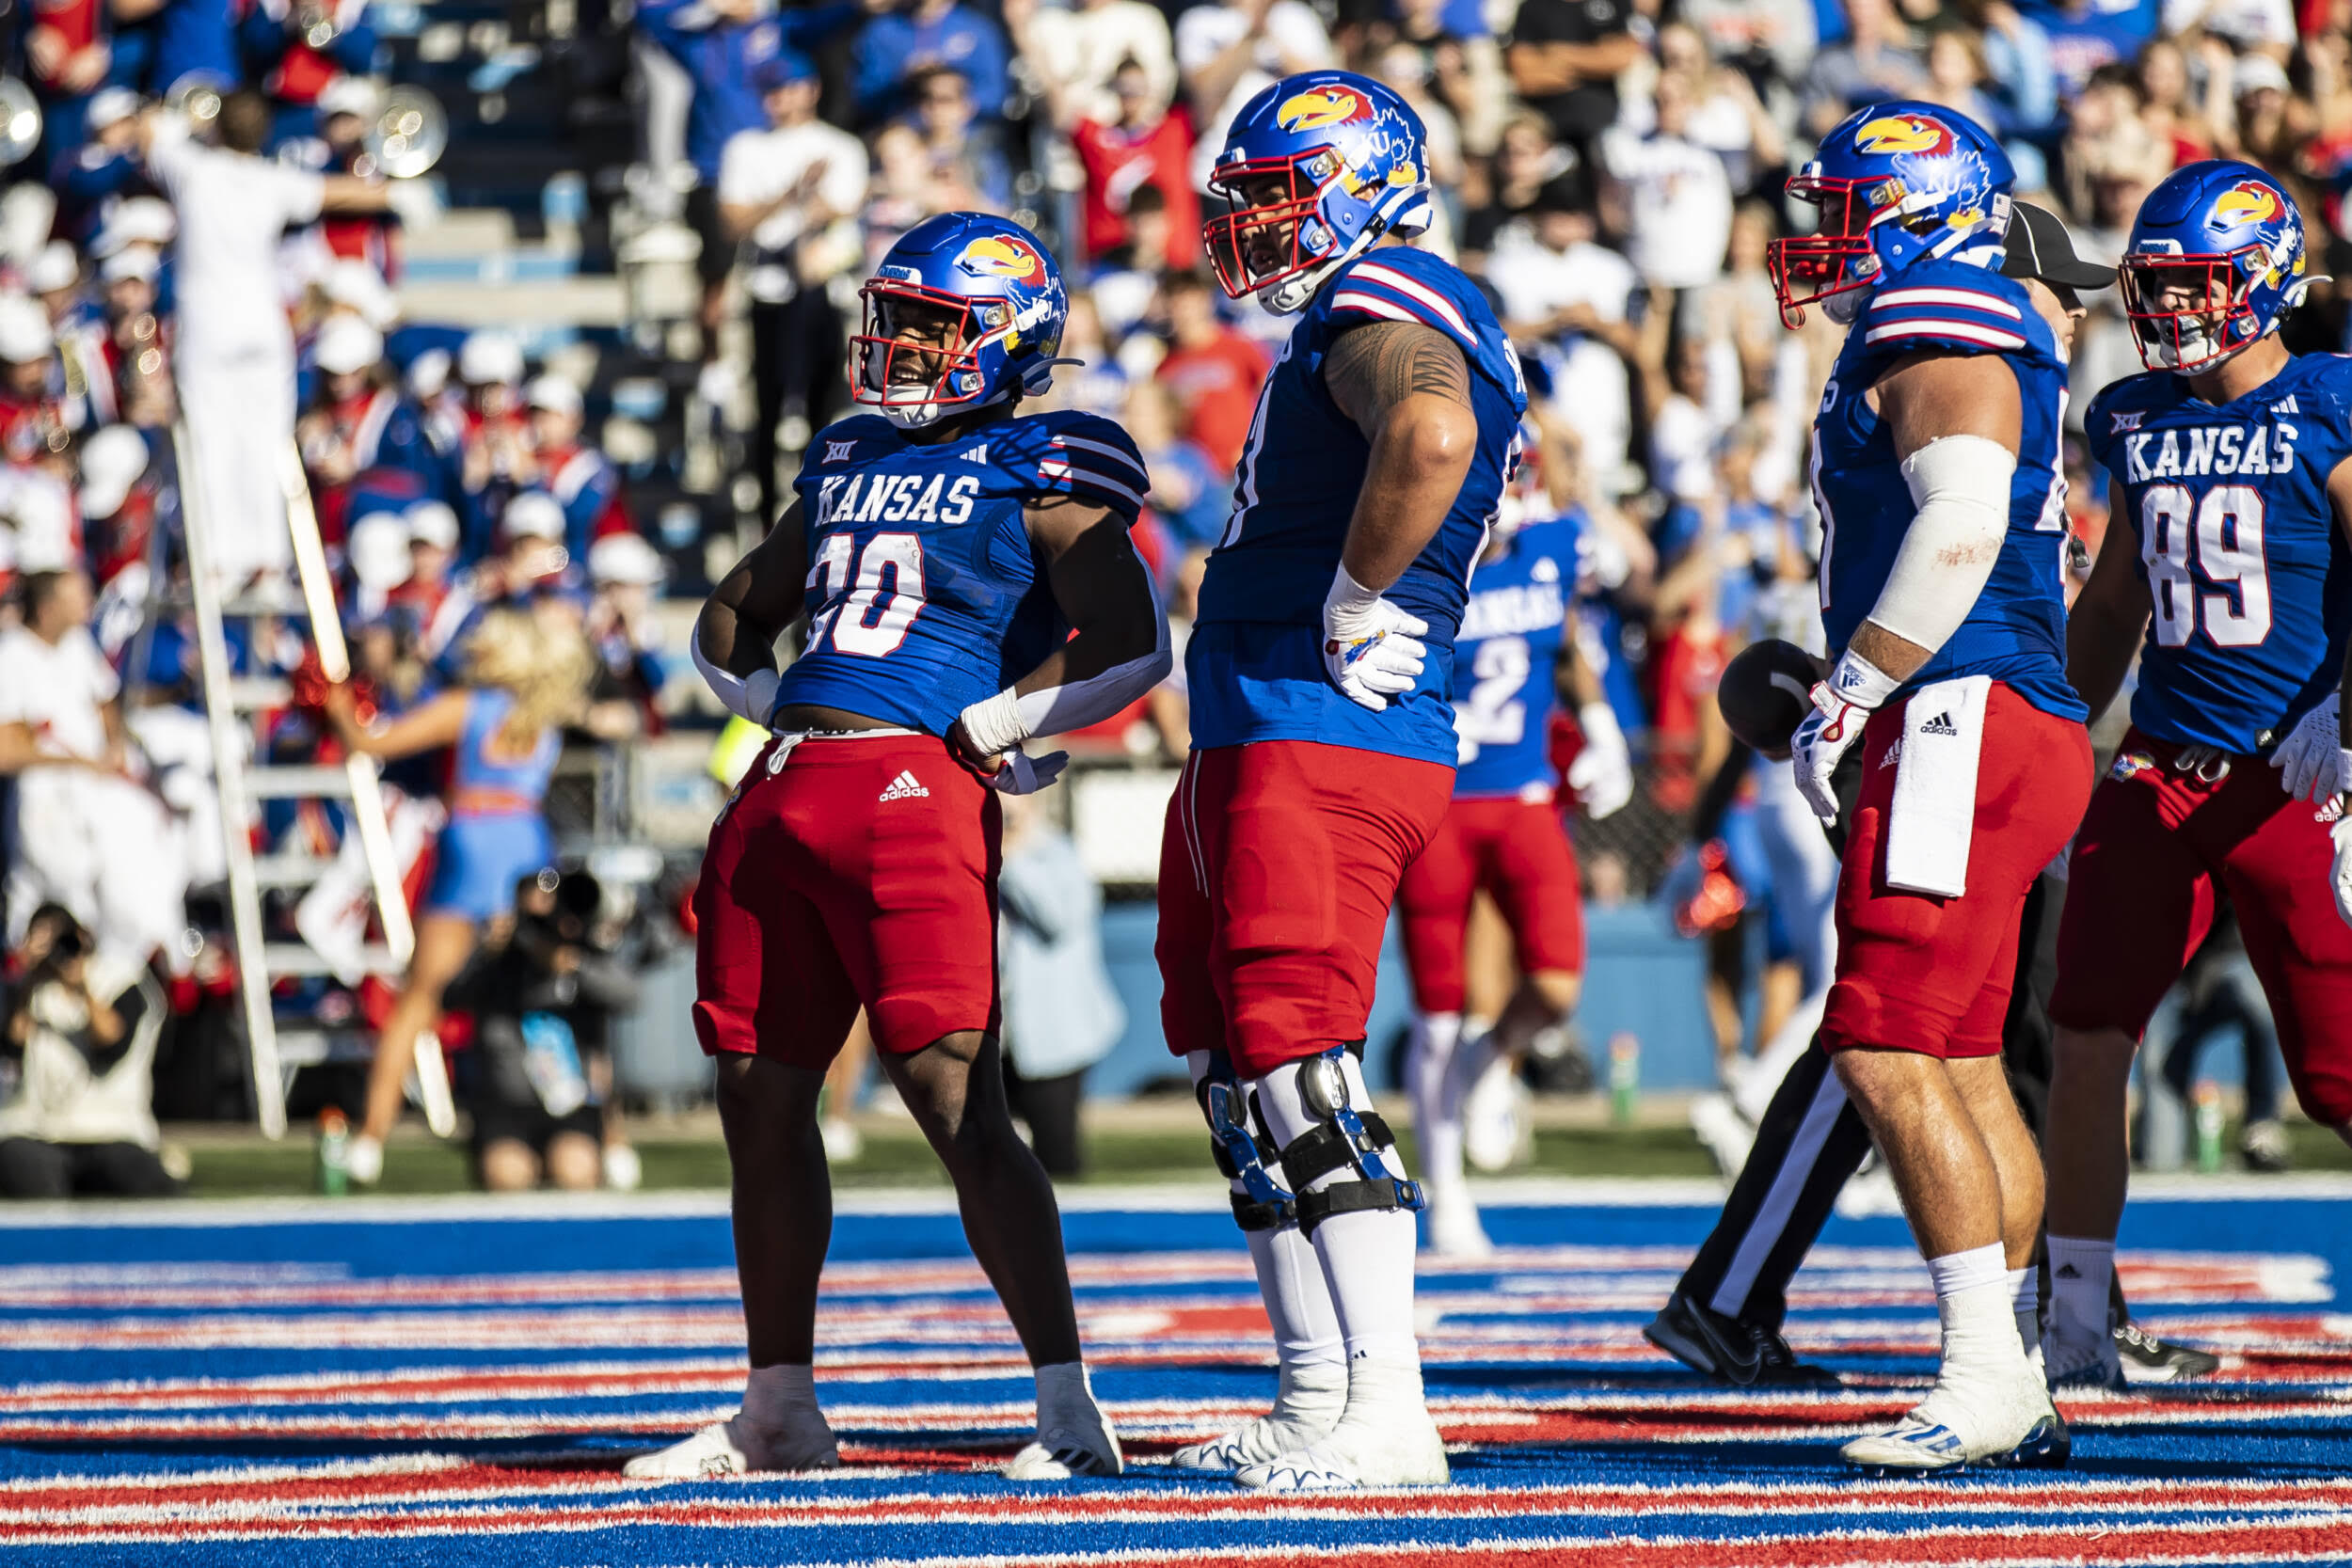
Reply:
x=1001, y=722
x=1961, y=486
x=752, y=696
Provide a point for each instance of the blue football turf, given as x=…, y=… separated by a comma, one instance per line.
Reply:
x=458, y=1384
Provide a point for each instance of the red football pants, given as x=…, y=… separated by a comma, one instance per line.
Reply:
x=1278, y=865
x=1519, y=851
x=848, y=872
x=2139, y=899
x=1920, y=973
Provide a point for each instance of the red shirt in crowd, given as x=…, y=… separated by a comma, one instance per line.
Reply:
x=1217, y=385
x=1119, y=161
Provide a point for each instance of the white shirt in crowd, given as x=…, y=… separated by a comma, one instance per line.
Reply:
x=1680, y=206
x=1085, y=46
x=758, y=166
x=60, y=692
x=233, y=209
x=1593, y=395
x=1293, y=33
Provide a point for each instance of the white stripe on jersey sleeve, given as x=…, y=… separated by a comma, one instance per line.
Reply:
x=1989, y=336
x=1064, y=472
x=1371, y=305
x=1105, y=448
x=1389, y=278
x=1967, y=299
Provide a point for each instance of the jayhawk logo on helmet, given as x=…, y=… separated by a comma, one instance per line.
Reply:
x=1002, y=256
x=1320, y=108
x=2249, y=201
x=1898, y=133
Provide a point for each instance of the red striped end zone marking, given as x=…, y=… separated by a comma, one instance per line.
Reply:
x=82, y=1513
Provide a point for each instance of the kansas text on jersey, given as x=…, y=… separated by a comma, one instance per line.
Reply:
x=2249, y=583
x=1254, y=664
x=2016, y=631
x=1504, y=659
x=925, y=593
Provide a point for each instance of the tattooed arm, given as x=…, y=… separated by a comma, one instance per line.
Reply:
x=1407, y=388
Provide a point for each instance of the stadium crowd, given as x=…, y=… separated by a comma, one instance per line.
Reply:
x=1608, y=170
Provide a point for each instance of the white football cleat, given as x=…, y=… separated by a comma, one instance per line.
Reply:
x=2015, y=1426
x=1306, y=1408
x=734, y=1448
x=363, y=1161
x=1497, y=1131
x=1073, y=1436
x=1400, y=1448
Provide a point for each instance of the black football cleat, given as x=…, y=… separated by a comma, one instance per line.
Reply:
x=1731, y=1349
x=2149, y=1359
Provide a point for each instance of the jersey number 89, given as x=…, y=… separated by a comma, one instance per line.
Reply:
x=2226, y=545
x=872, y=619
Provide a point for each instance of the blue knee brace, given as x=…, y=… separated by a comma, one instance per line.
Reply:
x=1241, y=1153
x=1342, y=1136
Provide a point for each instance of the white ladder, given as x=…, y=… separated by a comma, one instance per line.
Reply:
x=227, y=701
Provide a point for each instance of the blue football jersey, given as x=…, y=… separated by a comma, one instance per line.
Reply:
x=925, y=593
x=1255, y=663
x=1504, y=657
x=2016, y=631
x=2248, y=580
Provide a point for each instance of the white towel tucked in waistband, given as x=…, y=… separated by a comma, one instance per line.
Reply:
x=1934, y=814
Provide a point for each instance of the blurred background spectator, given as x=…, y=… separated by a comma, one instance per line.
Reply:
x=571, y=378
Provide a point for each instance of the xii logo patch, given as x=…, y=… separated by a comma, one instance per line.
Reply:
x=839, y=452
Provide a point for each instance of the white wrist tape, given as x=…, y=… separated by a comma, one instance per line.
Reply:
x=1001, y=722
x=1857, y=681
x=752, y=696
x=1961, y=484
x=1347, y=599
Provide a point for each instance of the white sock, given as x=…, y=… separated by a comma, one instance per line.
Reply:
x=2082, y=1272
x=1976, y=1304
x=1367, y=1257
x=2024, y=1294
x=1297, y=1302
x=1437, y=1125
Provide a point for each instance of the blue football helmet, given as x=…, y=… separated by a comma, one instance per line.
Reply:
x=1315, y=170
x=965, y=311
x=2216, y=260
x=1896, y=183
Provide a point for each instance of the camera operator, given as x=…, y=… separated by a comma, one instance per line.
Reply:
x=537, y=1077
x=80, y=1035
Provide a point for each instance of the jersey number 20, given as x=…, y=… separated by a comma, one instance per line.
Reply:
x=2226, y=543
x=853, y=621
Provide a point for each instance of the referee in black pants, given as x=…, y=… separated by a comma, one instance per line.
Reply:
x=1725, y=1314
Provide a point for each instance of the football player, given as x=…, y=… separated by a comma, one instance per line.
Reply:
x=944, y=547
x=1320, y=668
x=2230, y=462
x=1512, y=664
x=1935, y=465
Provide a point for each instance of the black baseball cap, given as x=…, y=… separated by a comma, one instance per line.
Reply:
x=2039, y=246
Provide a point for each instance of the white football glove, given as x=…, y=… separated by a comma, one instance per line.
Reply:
x=1602, y=773
x=2342, y=837
x=1023, y=774
x=1370, y=647
x=1842, y=705
x=2312, y=764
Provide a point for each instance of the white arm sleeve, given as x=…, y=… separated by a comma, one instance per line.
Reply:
x=1000, y=722
x=752, y=696
x=1961, y=484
